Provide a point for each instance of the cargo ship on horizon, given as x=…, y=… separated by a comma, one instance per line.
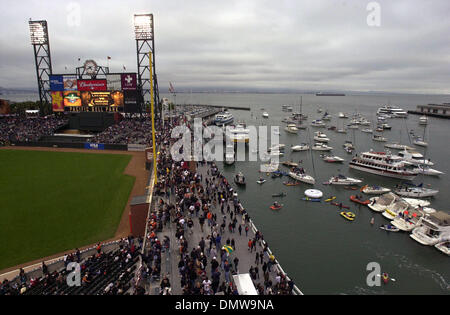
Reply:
x=329, y=94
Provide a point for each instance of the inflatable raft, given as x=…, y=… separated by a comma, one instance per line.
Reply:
x=354, y=198
x=348, y=215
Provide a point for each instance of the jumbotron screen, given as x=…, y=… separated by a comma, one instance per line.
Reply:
x=116, y=93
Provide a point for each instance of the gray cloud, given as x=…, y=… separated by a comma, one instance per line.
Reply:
x=245, y=44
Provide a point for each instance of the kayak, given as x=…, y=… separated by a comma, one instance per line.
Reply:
x=362, y=202
x=262, y=181
x=279, y=195
x=389, y=228
x=337, y=204
x=276, y=208
x=291, y=184
x=348, y=215
x=330, y=199
x=311, y=199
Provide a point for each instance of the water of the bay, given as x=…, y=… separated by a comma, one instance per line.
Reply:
x=318, y=248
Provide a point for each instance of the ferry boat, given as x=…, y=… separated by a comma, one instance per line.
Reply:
x=432, y=229
x=223, y=118
x=380, y=163
x=392, y=110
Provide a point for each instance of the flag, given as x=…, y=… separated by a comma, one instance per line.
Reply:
x=171, y=89
x=229, y=249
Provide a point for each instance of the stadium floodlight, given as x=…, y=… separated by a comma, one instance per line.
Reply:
x=39, y=33
x=143, y=26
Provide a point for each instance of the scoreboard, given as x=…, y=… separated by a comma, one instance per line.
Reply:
x=116, y=93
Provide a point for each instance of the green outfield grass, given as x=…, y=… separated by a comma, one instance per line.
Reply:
x=56, y=201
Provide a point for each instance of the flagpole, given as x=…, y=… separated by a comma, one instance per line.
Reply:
x=152, y=103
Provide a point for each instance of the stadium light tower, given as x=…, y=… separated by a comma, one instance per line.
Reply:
x=42, y=58
x=145, y=46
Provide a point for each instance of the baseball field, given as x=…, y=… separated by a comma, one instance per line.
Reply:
x=51, y=202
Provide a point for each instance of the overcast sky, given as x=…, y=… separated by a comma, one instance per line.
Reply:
x=262, y=44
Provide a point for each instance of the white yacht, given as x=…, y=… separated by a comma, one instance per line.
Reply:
x=318, y=123
x=341, y=130
x=265, y=115
x=300, y=147
x=420, y=142
x=291, y=128
x=239, y=134
x=416, y=191
x=321, y=147
x=408, y=220
x=423, y=120
x=374, y=190
x=269, y=167
x=343, y=180
x=229, y=154
x=342, y=115
x=320, y=137
x=444, y=246
x=223, y=118
x=333, y=159
x=398, y=146
x=383, y=164
x=379, y=204
x=414, y=157
x=367, y=130
x=379, y=138
x=432, y=229
x=426, y=170
x=308, y=179
x=397, y=207
x=276, y=147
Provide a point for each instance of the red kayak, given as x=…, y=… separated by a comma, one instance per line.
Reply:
x=276, y=208
x=362, y=202
x=342, y=206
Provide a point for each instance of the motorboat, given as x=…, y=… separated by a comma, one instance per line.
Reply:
x=301, y=147
x=398, y=146
x=367, y=130
x=238, y=134
x=379, y=204
x=341, y=130
x=386, y=126
x=352, y=126
x=419, y=141
x=319, y=110
x=302, y=177
x=342, y=115
x=261, y=181
x=444, y=246
x=416, y=191
x=408, y=219
x=326, y=117
x=414, y=157
x=289, y=164
x=432, y=229
x=229, y=154
x=268, y=167
x=348, y=146
x=265, y=115
x=423, y=120
x=394, y=209
x=276, y=147
x=321, y=147
x=223, y=118
x=239, y=179
x=426, y=170
x=291, y=128
x=389, y=228
x=333, y=159
x=343, y=180
x=374, y=190
x=383, y=164
x=320, y=137
x=318, y=123
x=379, y=138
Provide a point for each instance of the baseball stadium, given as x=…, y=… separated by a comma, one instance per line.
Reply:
x=94, y=204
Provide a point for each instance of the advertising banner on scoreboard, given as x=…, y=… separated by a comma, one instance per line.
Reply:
x=91, y=85
x=56, y=83
x=114, y=82
x=129, y=81
x=72, y=98
x=131, y=101
x=57, y=101
x=70, y=82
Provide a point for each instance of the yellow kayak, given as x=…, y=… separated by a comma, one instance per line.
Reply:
x=348, y=215
x=330, y=199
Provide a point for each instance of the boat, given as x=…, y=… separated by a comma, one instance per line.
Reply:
x=318, y=123
x=239, y=179
x=414, y=157
x=348, y=146
x=311, y=199
x=291, y=128
x=286, y=108
x=326, y=117
x=238, y=134
x=330, y=199
x=319, y=110
x=423, y=120
x=277, y=174
x=320, y=137
x=426, y=170
x=385, y=126
x=277, y=147
x=342, y=115
x=432, y=229
x=223, y=118
x=397, y=207
x=291, y=183
x=374, y=190
x=229, y=154
x=367, y=130
x=261, y=181
x=265, y=115
x=392, y=110
x=379, y=204
x=398, y=146
x=301, y=147
x=289, y=164
x=357, y=199
x=348, y=215
x=344, y=180
x=321, y=147
x=416, y=191
x=419, y=141
x=332, y=159
x=276, y=206
x=340, y=205
x=389, y=228
x=313, y=193
x=444, y=247
x=281, y=194
x=383, y=164
x=268, y=167
x=308, y=179
x=379, y=138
